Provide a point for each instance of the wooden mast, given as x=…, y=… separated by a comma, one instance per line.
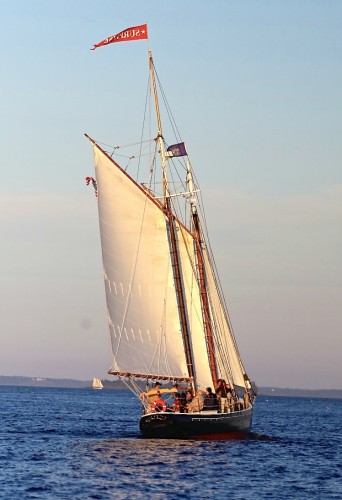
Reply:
x=202, y=280
x=173, y=240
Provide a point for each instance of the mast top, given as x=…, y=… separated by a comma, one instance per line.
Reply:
x=159, y=138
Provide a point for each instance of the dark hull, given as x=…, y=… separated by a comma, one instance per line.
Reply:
x=205, y=425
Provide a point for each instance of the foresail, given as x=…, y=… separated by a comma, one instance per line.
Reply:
x=141, y=302
x=228, y=360
x=194, y=308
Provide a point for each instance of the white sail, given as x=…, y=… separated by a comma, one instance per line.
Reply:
x=227, y=356
x=141, y=301
x=97, y=384
x=194, y=307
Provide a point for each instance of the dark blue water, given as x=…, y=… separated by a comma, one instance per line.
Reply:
x=79, y=444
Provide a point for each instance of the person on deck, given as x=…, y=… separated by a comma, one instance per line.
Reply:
x=159, y=404
x=189, y=396
x=183, y=401
x=221, y=392
x=246, y=400
x=210, y=400
x=230, y=398
x=154, y=394
x=177, y=406
x=197, y=403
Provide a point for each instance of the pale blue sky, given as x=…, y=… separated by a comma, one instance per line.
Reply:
x=255, y=87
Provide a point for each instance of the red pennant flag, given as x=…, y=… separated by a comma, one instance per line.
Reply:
x=135, y=33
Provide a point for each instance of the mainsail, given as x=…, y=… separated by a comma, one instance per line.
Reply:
x=142, y=306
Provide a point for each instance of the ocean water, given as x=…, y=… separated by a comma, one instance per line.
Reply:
x=80, y=444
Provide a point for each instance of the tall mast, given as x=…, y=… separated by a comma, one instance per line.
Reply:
x=173, y=239
x=202, y=278
x=159, y=137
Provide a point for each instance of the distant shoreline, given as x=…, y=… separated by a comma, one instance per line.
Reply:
x=117, y=384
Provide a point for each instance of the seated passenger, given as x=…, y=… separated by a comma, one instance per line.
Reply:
x=159, y=404
x=183, y=401
x=210, y=400
x=188, y=396
x=177, y=406
x=196, y=404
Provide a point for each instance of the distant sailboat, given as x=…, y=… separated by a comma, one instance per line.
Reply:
x=167, y=315
x=97, y=384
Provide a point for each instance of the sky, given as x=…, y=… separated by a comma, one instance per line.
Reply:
x=256, y=91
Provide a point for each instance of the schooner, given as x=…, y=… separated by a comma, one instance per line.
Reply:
x=167, y=315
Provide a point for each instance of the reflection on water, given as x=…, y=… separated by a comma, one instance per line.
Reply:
x=175, y=464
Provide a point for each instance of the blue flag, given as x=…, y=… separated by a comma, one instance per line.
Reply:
x=177, y=149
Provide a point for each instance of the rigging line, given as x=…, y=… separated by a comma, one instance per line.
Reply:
x=222, y=335
x=133, y=387
x=218, y=288
x=167, y=107
x=131, y=280
x=224, y=358
x=126, y=167
x=169, y=270
x=229, y=359
x=163, y=329
x=154, y=170
x=179, y=288
x=190, y=257
x=198, y=236
x=162, y=333
x=155, y=356
x=152, y=183
x=130, y=157
x=124, y=145
x=215, y=273
x=140, y=143
x=220, y=293
x=211, y=306
x=191, y=286
x=194, y=278
x=143, y=125
x=201, y=206
x=176, y=201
